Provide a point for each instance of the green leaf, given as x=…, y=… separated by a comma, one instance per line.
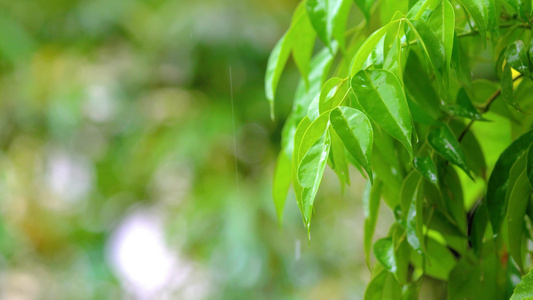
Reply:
x=338, y=156
x=355, y=131
x=517, y=57
x=426, y=167
x=310, y=172
x=518, y=201
x=412, y=200
x=381, y=96
x=315, y=130
x=384, y=252
x=499, y=179
x=443, y=21
x=524, y=290
x=369, y=45
x=529, y=166
x=365, y=6
x=383, y=286
x=439, y=261
x=431, y=46
x=463, y=107
x=303, y=40
x=328, y=91
x=446, y=144
x=479, y=10
x=371, y=201
x=276, y=63
x=324, y=15
x=281, y=184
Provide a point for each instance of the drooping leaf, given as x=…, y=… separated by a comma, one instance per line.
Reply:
x=439, y=261
x=524, y=290
x=529, y=166
x=445, y=143
x=479, y=10
x=328, y=91
x=355, y=131
x=303, y=40
x=431, y=46
x=365, y=6
x=426, y=167
x=281, y=184
x=499, y=179
x=276, y=63
x=371, y=200
x=340, y=163
x=310, y=172
x=381, y=96
x=369, y=45
x=383, y=286
x=412, y=206
x=507, y=87
x=518, y=201
x=384, y=252
x=517, y=57
x=442, y=20
x=463, y=107
x=324, y=15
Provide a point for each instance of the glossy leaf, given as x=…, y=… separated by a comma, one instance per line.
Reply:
x=412, y=201
x=443, y=22
x=499, y=179
x=371, y=201
x=508, y=95
x=384, y=252
x=479, y=10
x=431, y=46
x=426, y=167
x=381, y=96
x=276, y=63
x=281, y=184
x=529, y=166
x=524, y=290
x=445, y=143
x=339, y=160
x=517, y=57
x=303, y=40
x=368, y=46
x=463, y=107
x=518, y=201
x=310, y=172
x=324, y=15
x=355, y=131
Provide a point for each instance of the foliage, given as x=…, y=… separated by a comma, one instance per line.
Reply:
x=431, y=101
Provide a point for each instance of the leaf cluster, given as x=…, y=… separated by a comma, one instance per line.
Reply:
x=405, y=97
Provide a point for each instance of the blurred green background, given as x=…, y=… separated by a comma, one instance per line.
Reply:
x=121, y=172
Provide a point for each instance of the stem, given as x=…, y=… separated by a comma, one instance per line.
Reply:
x=485, y=108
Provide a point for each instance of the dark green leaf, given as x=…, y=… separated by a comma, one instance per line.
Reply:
x=499, y=179
x=355, y=131
x=524, y=290
x=463, y=107
x=431, y=46
x=517, y=57
x=479, y=10
x=412, y=200
x=371, y=200
x=381, y=96
x=384, y=252
x=507, y=87
x=439, y=260
x=443, y=21
x=446, y=144
x=518, y=201
x=530, y=166
x=426, y=167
